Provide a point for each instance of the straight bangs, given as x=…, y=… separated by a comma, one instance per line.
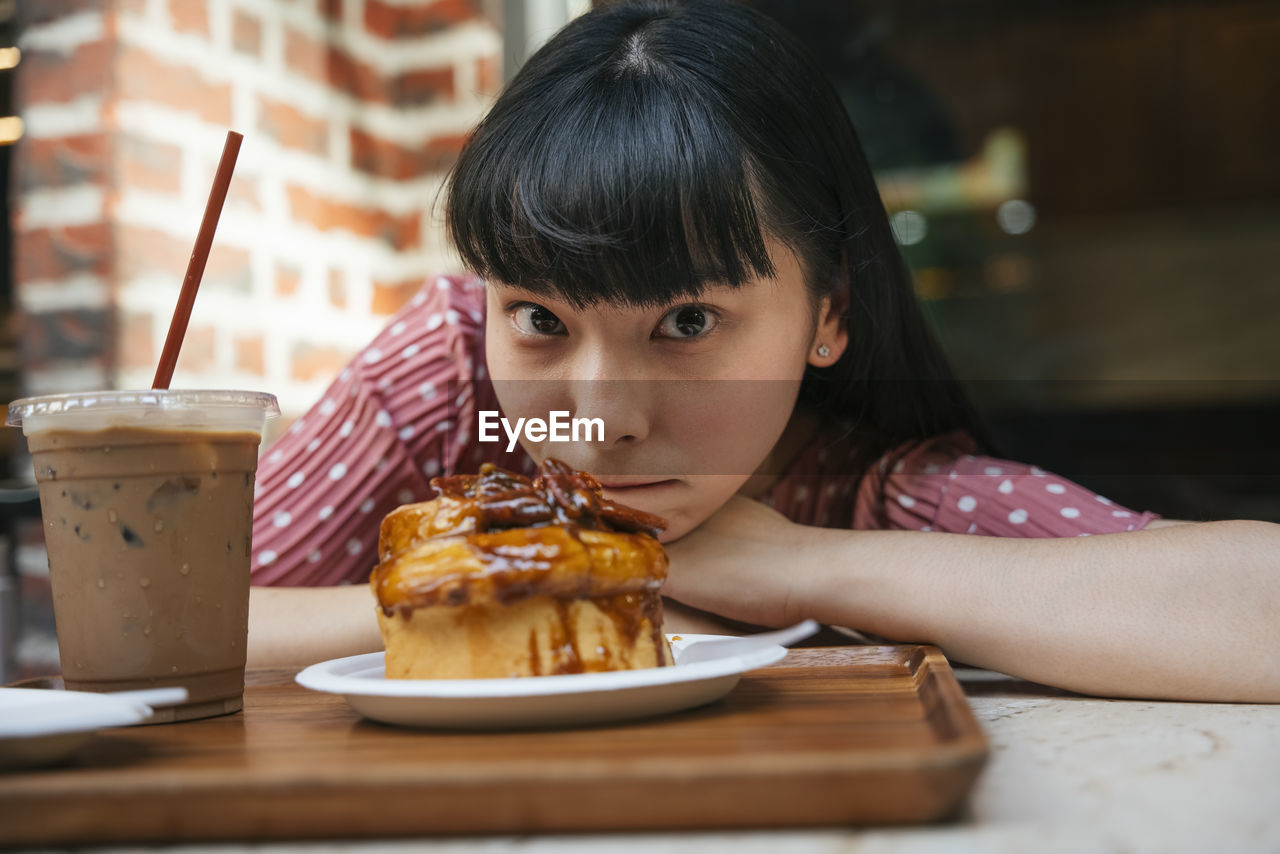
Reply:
x=625, y=186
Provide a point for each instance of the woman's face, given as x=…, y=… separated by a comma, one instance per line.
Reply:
x=693, y=396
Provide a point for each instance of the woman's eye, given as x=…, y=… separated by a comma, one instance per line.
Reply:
x=533, y=319
x=687, y=321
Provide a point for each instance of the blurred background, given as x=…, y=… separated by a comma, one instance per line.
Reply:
x=1088, y=192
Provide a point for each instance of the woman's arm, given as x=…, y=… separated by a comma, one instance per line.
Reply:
x=1184, y=612
x=299, y=626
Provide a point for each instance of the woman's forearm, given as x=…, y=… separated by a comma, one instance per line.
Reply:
x=297, y=626
x=1185, y=612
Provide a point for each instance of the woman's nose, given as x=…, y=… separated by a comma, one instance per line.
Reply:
x=620, y=405
x=618, y=395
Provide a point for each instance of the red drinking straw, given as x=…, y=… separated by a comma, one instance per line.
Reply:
x=199, y=257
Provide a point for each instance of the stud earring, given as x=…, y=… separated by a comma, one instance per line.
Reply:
x=824, y=351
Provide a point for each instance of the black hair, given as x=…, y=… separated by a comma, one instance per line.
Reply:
x=650, y=148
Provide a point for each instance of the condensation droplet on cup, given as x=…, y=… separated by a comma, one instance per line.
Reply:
x=106, y=449
x=144, y=582
x=102, y=585
x=186, y=569
x=159, y=526
x=146, y=631
x=173, y=669
x=113, y=516
x=219, y=606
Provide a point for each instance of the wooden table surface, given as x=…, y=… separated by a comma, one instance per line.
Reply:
x=839, y=736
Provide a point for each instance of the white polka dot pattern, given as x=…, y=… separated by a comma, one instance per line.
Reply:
x=379, y=433
x=946, y=486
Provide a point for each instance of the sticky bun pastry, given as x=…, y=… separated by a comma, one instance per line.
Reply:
x=502, y=575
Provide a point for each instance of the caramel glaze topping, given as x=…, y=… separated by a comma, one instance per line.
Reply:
x=557, y=496
x=497, y=499
x=628, y=611
x=506, y=566
x=499, y=537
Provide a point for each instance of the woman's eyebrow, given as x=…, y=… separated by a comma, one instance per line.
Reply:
x=714, y=286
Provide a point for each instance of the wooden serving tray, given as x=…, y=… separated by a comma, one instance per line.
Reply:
x=830, y=736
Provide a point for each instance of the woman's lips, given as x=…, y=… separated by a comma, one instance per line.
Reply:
x=632, y=485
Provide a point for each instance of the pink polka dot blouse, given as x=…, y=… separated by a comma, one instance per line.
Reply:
x=405, y=409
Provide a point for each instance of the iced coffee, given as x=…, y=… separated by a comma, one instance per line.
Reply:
x=147, y=501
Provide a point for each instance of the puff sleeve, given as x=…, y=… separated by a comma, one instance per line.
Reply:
x=938, y=487
x=382, y=430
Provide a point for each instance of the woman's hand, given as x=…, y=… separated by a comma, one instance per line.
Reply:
x=743, y=563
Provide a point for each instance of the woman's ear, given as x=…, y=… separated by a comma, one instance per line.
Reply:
x=831, y=334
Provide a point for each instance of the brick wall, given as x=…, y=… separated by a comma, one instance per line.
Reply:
x=351, y=111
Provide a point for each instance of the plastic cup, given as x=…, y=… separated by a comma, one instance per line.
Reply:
x=147, y=501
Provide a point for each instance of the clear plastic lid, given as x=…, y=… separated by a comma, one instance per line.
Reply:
x=177, y=408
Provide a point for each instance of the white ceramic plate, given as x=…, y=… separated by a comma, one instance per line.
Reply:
x=42, y=726
x=534, y=701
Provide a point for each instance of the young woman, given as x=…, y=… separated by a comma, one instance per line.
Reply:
x=677, y=234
